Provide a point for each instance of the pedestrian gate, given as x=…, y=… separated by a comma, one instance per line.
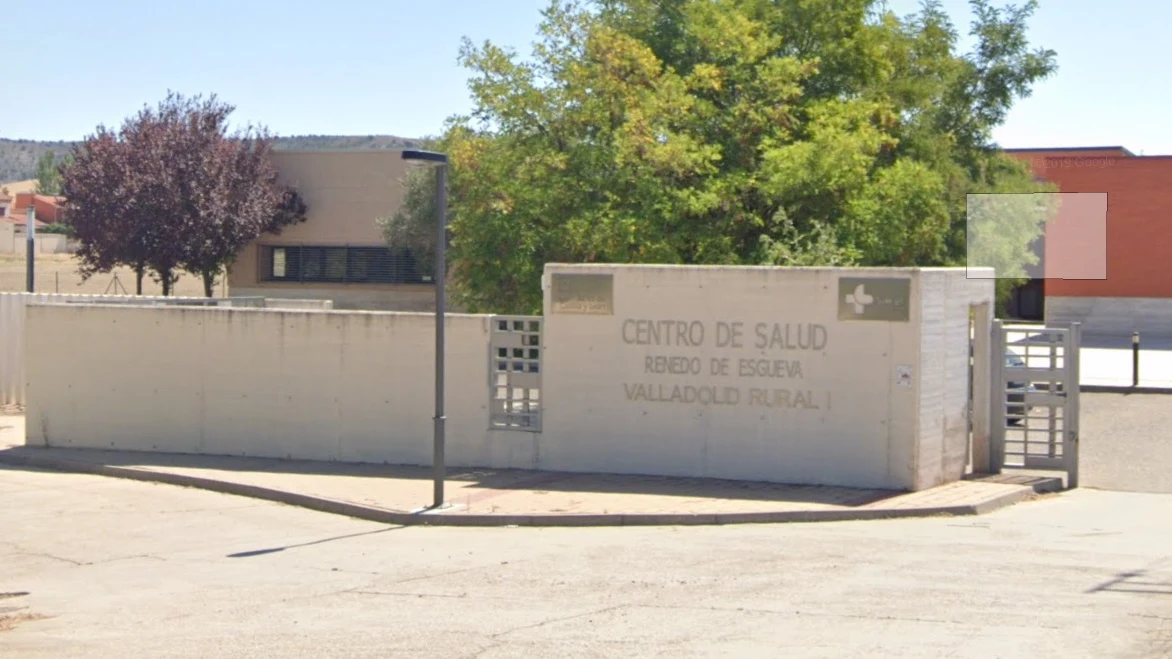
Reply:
x=1035, y=398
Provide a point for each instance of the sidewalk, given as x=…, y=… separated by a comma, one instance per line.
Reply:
x=1106, y=363
x=483, y=497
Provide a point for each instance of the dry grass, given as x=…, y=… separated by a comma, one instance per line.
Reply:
x=57, y=273
x=19, y=187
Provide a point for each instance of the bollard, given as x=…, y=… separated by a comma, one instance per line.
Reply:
x=1135, y=359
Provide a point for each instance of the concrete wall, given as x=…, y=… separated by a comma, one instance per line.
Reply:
x=743, y=373
x=947, y=296
x=880, y=404
x=1113, y=315
x=12, y=333
x=407, y=297
x=287, y=384
x=12, y=329
x=13, y=241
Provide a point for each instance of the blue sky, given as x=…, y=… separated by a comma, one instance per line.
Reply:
x=389, y=66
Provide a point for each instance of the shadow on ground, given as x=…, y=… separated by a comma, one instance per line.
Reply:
x=276, y=550
x=488, y=479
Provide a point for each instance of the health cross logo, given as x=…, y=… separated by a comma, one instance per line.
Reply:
x=859, y=299
x=884, y=299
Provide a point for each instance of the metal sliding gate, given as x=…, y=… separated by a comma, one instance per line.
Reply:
x=1035, y=398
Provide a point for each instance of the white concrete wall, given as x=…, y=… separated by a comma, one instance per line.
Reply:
x=946, y=296
x=355, y=297
x=848, y=422
x=12, y=329
x=805, y=393
x=12, y=333
x=288, y=384
x=16, y=242
x=293, y=304
x=1113, y=315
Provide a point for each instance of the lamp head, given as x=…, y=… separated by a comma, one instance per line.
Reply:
x=427, y=158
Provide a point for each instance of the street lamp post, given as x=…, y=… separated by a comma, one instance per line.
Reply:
x=440, y=162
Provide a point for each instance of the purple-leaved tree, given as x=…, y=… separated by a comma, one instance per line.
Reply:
x=173, y=190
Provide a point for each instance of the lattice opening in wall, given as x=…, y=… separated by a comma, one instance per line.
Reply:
x=515, y=369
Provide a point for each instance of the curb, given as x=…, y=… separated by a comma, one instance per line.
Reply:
x=1122, y=389
x=398, y=518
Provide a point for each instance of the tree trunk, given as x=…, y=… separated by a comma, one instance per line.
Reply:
x=209, y=282
x=139, y=272
x=165, y=276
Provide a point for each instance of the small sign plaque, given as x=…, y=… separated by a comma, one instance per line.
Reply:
x=872, y=298
x=584, y=294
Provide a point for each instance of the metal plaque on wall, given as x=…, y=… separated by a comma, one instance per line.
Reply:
x=587, y=294
x=874, y=298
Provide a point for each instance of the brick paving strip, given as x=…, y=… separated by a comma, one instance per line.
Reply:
x=492, y=497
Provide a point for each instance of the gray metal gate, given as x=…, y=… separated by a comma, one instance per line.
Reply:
x=1035, y=398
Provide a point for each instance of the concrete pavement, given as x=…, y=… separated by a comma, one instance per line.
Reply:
x=1126, y=442
x=483, y=497
x=114, y=568
x=1106, y=361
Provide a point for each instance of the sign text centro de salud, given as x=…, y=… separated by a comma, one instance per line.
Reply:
x=767, y=353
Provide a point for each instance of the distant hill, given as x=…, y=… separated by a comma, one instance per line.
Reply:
x=308, y=142
x=18, y=158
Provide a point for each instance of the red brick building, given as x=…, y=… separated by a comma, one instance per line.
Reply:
x=1131, y=289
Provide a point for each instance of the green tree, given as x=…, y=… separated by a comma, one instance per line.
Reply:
x=413, y=226
x=726, y=131
x=49, y=173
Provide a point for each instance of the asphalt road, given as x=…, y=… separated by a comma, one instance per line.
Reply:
x=1126, y=442
x=124, y=569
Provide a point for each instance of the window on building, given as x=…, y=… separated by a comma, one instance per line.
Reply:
x=358, y=265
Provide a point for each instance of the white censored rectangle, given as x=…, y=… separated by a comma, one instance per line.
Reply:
x=1052, y=235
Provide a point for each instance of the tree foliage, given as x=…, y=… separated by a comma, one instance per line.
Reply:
x=173, y=190
x=413, y=225
x=727, y=131
x=48, y=174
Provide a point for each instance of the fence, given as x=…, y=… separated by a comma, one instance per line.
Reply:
x=12, y=324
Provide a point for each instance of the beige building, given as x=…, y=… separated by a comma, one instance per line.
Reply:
x=339, y=253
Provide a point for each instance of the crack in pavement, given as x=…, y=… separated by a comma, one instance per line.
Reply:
x=795, y=613
x=385, y=593
x=445, y=574
x=605, y=609
x=209, y=510
x=21, y=551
